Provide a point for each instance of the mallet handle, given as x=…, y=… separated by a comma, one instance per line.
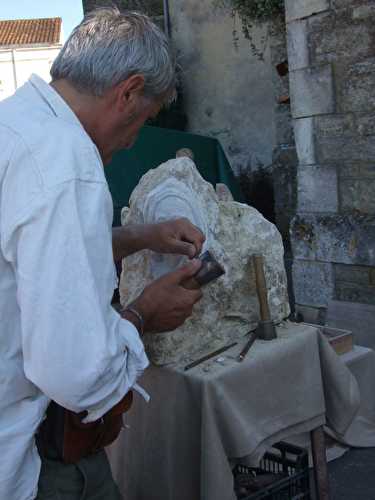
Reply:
x=261, y=287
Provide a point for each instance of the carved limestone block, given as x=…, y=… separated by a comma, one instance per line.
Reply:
x=234, y=232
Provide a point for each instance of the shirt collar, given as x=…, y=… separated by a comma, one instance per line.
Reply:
x=56, y=103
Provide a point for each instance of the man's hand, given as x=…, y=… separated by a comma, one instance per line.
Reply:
x=165, y=304
x=177, y=236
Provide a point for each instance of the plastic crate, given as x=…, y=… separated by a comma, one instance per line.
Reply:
x=292, y=463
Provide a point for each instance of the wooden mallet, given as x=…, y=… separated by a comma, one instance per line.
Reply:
x=266, y=329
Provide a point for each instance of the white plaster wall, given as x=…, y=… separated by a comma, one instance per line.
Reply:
x=16, y=66
x=228, y=92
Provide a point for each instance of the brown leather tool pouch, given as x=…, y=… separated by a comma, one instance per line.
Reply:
x=63, y=435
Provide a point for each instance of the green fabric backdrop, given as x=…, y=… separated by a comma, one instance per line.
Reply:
x=157, y=145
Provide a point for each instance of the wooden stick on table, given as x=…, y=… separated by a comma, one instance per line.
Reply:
x=261, y=287
x=265, y=315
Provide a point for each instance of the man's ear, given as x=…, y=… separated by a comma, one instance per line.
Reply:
x=129, y=91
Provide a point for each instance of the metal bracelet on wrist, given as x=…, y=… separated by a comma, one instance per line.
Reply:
x=139, y=318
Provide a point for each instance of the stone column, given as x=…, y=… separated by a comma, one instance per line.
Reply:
x=331, y=54
x=284, y=161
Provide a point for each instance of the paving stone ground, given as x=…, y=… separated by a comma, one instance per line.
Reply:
x=352, y=477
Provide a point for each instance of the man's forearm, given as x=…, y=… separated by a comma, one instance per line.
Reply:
x=127, y=240
x=176, y=236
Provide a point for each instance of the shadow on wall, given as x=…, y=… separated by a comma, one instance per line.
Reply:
x=257, y=188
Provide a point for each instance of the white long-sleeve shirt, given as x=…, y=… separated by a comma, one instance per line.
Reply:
x=60, y=338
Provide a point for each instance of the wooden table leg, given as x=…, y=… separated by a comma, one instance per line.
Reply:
x=318, y=447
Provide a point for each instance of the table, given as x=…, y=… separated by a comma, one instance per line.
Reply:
x=179, y=446
x=361, y=432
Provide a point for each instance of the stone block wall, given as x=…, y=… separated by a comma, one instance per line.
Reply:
x=331, y=52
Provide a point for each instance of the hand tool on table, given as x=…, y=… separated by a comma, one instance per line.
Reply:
x=252, y=338
x=265, y=329
x=209, y=356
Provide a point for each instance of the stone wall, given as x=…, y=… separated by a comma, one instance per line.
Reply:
x=228, y=92
x=331, y=52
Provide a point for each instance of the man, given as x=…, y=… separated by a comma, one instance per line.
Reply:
x=60, y=339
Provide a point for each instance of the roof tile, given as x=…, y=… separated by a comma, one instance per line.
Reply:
x=30, y=31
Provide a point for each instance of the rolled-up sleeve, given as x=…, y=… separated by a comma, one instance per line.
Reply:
x=76, y=348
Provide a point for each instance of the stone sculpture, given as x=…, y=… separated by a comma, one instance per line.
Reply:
x=234, y=232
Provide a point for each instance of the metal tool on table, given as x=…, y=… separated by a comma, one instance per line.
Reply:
x=252, y=338
x=266, y=329
x=209, y=356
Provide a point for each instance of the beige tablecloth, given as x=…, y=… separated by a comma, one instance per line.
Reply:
x=361, y=432
x=178, y=446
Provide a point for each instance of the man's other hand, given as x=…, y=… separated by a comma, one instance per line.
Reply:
x=165, y=304
x=178, y=236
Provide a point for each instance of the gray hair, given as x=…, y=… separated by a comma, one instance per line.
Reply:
x=110, y=46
